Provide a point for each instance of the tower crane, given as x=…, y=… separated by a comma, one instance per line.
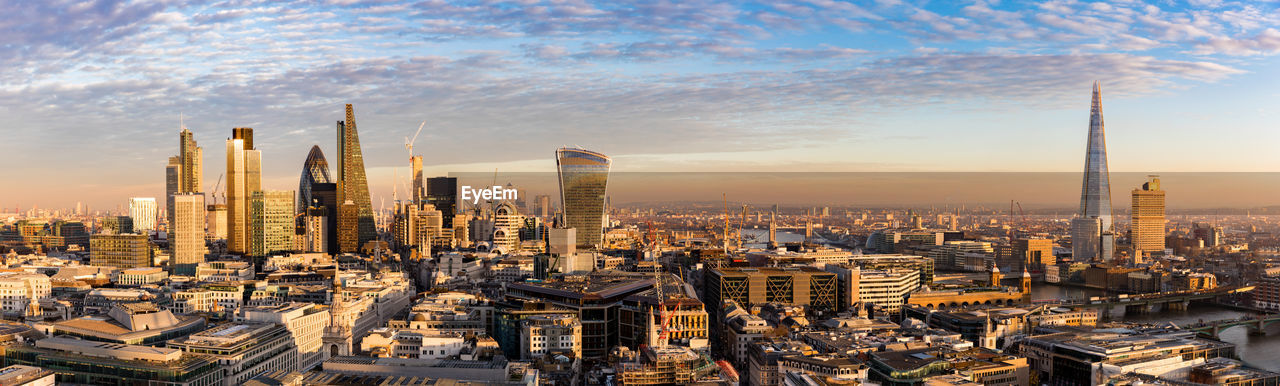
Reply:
x=214, y=192
x=408, y=142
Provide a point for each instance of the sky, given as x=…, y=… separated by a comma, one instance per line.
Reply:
x=93, y=91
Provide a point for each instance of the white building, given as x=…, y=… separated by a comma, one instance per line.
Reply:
x=243, y=350
x=414, y=344
x=143, y=211
x=208, y=300
x=305, y=322
x=888, y=288
x=545, y=334
x=141, y=276
x=20, y=293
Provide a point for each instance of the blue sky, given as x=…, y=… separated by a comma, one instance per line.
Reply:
x=93, y=90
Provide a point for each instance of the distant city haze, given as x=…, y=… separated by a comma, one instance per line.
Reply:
x=909, y=189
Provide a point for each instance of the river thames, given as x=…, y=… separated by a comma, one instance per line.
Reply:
x=1258, y=351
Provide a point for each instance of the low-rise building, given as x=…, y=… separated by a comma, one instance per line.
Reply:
x=305, y=322
x=89, y=362
x=551, y=334
x=141, y=276
x=243, y=349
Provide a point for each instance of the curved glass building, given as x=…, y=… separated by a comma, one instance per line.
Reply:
x=584, y=175
x=315, y=170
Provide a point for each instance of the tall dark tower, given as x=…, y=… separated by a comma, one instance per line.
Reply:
x=355, y=226
x=1092, y=235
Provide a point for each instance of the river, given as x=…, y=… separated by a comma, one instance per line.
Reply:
x=1258, y=351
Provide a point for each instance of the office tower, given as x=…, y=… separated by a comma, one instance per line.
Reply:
x=143, y=212
x=116, y=225
x=190, y=157
x=119, y=250
x=1147, y=211
x=271, y=222
x=544, y=206
x=325, y=195
x=415, y=163
x=244, y=176
x=78, y=208
x=1031, y=254
x=315, y=170
x=172, y=186
x=186, y=240
x=315, y=229
x=1092, y=235
x=442, y=193
x=353, y=232
x=584, y=176
x=216, y=222
x=183, y=177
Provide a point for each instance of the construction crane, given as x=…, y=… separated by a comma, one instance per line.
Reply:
x=408, y=142
x=214, y=192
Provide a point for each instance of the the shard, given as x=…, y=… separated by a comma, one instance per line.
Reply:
x=1092, y=236
x=355, y=214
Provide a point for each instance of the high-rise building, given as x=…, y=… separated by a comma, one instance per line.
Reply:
x=116, y=225
x=544, y=206
x=1032, y=254
x=1092, y=233
x=353, y=232
x=244, y=176
x=182, y=177
x=119, y=250
x=1147, y=211
x=315, y=229
x=190, y=157
x=271, y=222
x=415, y=163
x=186, y=240
x=216, y=222
x=143, y=212
x=315, y=170
x=584, y=176
x=442, y=193
x=172, y=186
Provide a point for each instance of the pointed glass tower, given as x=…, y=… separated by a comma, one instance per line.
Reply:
x=1091, y=231
x=355, y=225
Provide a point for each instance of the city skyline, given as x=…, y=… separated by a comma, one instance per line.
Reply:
x=805, y=87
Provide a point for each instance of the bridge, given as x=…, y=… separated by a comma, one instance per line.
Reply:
x=1257, y=325
x=1149, y=302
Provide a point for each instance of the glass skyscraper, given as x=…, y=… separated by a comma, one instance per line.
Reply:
x=315, y=170
x=1092, y=234
x=355, y=224
x=584, y=175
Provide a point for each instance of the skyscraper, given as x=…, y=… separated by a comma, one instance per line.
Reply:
x=186, y=240
x=584, y=176
x=415, y=165
x=1092, y=236
x=355, y=225
x=244, y=176
x=271, y=221
x=1147, y=211
x=183, y=177
x=143, y=211
x=315, y=170
x=190, y=157
x=172, y=186
x=442, y=193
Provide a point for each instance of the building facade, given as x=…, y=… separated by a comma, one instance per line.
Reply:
x=583, y=177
